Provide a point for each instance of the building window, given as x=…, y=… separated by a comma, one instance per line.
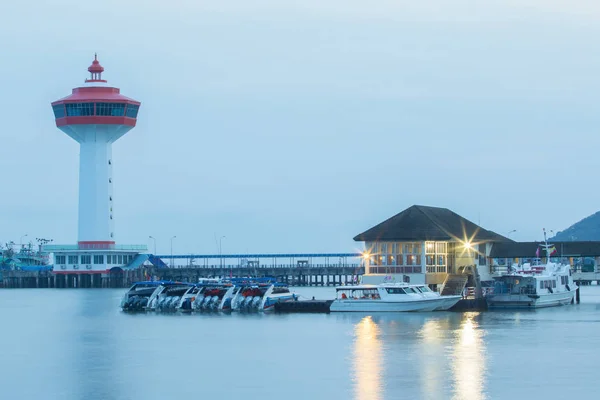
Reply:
x=98, y=259
x=79, y=109
x=73, y=259
x=86, y=259
x=430, y=248
x=132, y=110
x=120, y=259
x=61, y=259
x=59, y=111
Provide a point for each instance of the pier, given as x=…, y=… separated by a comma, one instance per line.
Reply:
x=311, y=269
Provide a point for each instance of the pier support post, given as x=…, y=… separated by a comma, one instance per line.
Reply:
x=577, y=298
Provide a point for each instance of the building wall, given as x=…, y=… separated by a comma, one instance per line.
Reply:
x=90, y=261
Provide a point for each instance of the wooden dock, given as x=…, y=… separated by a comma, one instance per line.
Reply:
x=305, y=306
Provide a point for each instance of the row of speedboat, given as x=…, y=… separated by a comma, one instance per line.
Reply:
x=236, y=294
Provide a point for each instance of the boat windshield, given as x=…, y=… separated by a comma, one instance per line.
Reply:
x=410, y=290
x=423, y=289
x=395, y=290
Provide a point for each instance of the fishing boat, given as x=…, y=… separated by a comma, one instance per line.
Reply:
x=390, y=297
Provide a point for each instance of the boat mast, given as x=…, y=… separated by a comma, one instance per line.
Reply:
x=546, y=247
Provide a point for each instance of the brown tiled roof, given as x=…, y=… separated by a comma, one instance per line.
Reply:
x=428, y=223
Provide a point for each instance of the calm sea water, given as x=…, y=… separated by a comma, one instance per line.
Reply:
x=76, y=344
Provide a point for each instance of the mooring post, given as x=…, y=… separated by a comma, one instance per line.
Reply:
x=577, y=297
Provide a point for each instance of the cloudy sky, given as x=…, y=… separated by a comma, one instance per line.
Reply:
x=295, y=125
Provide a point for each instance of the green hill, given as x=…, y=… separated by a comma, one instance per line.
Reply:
x=584, y=230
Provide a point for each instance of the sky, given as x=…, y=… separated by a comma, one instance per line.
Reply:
x=294, y=126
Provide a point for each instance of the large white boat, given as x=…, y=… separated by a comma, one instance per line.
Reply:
x=537, y=286
x=394, y=297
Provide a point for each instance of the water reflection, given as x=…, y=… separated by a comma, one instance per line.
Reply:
x=469, y=364
x=431, y=360
x=368, y=360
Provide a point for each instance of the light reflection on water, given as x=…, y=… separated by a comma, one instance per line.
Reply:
x=368, y=360
x=468, y=360
x=432, y=372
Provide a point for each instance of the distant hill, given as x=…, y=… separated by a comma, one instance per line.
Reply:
x=586, y=229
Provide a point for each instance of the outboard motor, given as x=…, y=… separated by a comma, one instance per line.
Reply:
x=206, y=302
x=140, y=303
x=129, y=303
x=214, y=302
x=198, y=302
x=256, y=302
x=248, y=301
x=152, y=303
x=174, y=302
x=164, y=302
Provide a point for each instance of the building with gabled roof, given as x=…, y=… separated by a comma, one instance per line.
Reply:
x=424, y=244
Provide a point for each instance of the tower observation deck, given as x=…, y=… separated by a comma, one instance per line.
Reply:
x=96, y=115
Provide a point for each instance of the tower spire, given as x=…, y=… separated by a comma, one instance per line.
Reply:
x=95, y=70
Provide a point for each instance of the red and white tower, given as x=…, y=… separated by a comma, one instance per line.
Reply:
x=96, y=115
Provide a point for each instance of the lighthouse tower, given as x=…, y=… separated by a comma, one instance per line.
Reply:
x=95, y=115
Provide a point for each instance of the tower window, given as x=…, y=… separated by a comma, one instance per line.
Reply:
x=79, y=109
x=132, y=110
x=110, y=109
x=59, y=111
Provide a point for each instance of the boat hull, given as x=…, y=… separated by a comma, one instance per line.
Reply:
x=442, y=303
x=530, y=301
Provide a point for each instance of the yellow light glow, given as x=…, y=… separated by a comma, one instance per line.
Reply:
x=367, y=361
x=469, y=366
x=366, y=255
x=468, y=245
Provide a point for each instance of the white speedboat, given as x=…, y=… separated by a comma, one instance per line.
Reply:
x=537, y=286
x=138, y=295
x=391, y=297
x=260, y=294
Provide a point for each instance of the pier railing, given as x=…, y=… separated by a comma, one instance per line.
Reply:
x=264, y=266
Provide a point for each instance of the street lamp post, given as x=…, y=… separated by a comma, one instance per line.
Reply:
x=508, y=233
x=153, y=238
x=172, y=250
x=221, y=251
x=21, y=241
